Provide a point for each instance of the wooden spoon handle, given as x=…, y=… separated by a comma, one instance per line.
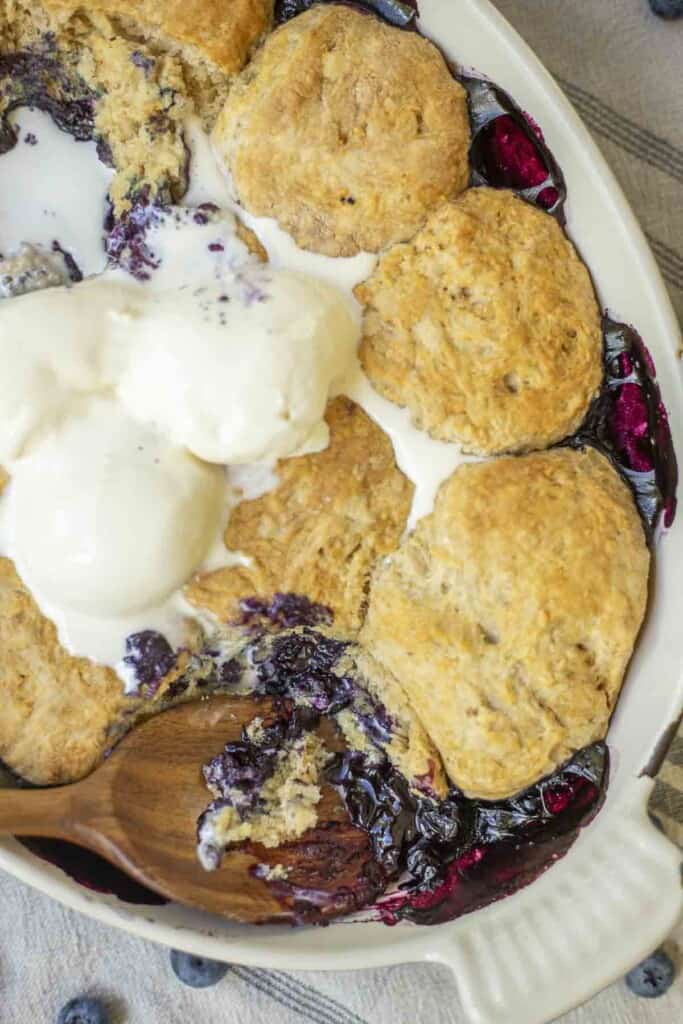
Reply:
x=37, y=812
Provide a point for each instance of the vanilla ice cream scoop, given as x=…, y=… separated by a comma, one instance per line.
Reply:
x=239, y=371
x=52, y=352
x=108, y=518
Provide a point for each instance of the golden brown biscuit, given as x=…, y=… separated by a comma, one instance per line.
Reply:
x=510, y=614
x=60, y=714
x=319, y=533
x=486, y=326
x=55, y=710
x=345, y=129
x=215, y=33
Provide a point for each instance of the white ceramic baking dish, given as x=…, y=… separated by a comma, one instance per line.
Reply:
x=617, y=893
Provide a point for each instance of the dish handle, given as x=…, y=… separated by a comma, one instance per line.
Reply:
x=608, y=905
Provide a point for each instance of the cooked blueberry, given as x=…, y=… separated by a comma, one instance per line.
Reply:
x=150, y=656
x=628, y=422
x=302, y=663
x=508, y=149
x=509, y=155
x=229, y=673
x=653, y=977
x=84, y=1011
x=284, y=610
x=197, y=971
x=667, y=8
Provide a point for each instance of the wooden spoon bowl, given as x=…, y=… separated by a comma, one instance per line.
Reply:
x=139, y=810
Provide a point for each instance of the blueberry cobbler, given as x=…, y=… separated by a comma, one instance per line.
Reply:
x=308, y=396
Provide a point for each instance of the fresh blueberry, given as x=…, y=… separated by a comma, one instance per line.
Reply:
x=195, y=971
x=653, y=977
x=667, y=8
x=83, y=1011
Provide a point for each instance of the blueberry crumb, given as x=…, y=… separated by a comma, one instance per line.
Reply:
x=196, y=971
x=653, y=977
x=84, y=1011
x=150, y=656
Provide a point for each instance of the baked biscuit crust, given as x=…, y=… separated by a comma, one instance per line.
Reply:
x=221, y=32
x=510, y=614
x=346, y=130
x=55, y=710
x=319, y=533
x=485, y=325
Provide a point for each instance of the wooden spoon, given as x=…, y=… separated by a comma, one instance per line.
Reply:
x=139, y=810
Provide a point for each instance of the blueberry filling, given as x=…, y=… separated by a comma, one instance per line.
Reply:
x=401, y=13
x=508, y=149
x=300, y=666
x=150, y=657
x=38, y=78
x=628, y=423
x=501, y=847
x=284, y=611
x=238, y=773
x=451, y=855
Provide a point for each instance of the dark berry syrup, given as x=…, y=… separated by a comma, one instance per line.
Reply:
x=401, y=13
